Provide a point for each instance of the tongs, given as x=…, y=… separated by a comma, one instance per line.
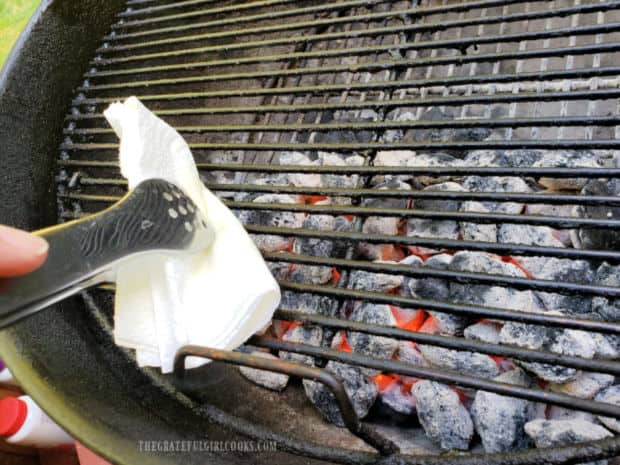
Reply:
x=156, y=217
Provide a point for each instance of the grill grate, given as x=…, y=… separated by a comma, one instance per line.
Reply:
x=249, y=82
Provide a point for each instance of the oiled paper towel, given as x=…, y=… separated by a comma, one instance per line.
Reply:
x=216, y=298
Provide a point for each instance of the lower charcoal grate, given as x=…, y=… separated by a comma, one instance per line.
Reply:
x=435, y=185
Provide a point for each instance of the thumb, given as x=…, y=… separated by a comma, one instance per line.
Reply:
x=20, y=252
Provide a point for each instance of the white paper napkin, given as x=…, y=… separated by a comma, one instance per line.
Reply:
x=216, y=298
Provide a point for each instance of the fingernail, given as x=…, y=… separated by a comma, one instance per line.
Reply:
x=22, y=241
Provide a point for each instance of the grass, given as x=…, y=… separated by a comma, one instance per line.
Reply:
x=14, y=14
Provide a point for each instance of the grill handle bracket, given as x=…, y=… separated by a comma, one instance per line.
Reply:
x=383, y=445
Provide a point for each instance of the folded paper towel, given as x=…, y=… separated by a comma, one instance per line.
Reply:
x=217, y=298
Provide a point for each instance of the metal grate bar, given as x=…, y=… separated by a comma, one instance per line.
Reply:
x=502, y=249
x=244, y=19
x=455, y=308
x=415, y=27
x=361, y=146
x=443, y=376
x=380, y=125
x=384, y=170
x=456, y=343
x=366, y=66
x=602, y=94
x=461, y=44
x=130, y=12
x=444, y=244
x=458, y=276
x=140, y=2
x=376, y=85
x=452, y=308
x=545, y=198
x=470, y=217
x=417, y=12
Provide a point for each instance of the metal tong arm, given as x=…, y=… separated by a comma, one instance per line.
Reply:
x=81, y=252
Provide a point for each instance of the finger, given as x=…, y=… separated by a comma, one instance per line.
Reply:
x=20, y=251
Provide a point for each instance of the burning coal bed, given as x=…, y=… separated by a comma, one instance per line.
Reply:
x=452, y=418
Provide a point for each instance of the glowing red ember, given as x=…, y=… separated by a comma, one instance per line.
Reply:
x=384, y=381
x=344, y=344
x=335, y=275
x=461, y=394
x=280, y=327
x=392, y=253
x=410, y=320
x=430, y=326
x=420, y=252
x=518, y=264
x=312, y=199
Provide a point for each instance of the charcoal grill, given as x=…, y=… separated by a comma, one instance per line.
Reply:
x=247, y=81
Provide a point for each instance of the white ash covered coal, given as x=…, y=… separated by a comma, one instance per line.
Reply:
x=484, y=331
x=585, y=386
x=530, y=235
x=409, y=158
x=610, y=395
x=374, y=346
x=375, y=282
x=490, y=296
x=562, y=236
x=447, y=229
x=307, y=303
x=452, y=418
x=434, y=289
x=543, y=159
x=410, y=351
x=319, y=248
x=562, y=270
x=460, y=361
x=588, y=238
x=549, y=433
x=442, y=415
x=268, y=379
x=489, y=232
x=602, y=307
x=565, y=342
x=434, y=134
x=382, y=225
x=283, y=219
x=322, y=180
x=379, y=314
x=349, y=136
x=309, y=335
x=362, y=392
x=395, y=395
x=561, y=413
x=499, y=420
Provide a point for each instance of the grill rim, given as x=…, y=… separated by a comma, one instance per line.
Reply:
x=486, y=456
x=96, y=87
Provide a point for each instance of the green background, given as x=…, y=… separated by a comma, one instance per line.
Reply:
x=14, y=15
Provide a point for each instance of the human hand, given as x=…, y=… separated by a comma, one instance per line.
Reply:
x=20, y=252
